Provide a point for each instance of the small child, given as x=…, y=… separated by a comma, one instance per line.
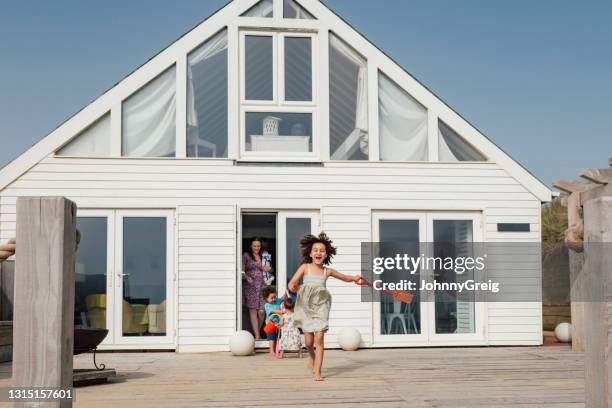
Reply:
x=290, y=338
x=272, y=306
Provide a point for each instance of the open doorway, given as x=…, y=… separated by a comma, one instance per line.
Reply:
x=262, y=226
x=280, y=232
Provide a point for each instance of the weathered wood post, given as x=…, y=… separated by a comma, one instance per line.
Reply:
x=44, y=295
x=593, y=233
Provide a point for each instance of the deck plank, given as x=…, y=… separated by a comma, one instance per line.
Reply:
x=433, y=377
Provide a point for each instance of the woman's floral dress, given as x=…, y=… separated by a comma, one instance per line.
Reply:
x=252, y=291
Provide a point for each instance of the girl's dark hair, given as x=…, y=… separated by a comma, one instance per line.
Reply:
x=250, y=251
x=288, y=302
x=267, y=291
x=309, y=240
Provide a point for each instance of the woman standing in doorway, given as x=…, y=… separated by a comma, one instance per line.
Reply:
x=253, y=275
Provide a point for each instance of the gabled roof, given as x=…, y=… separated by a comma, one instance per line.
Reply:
x=227, y=16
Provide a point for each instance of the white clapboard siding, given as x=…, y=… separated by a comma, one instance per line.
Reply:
x=205, y=194
x=207, y=276
x=518, y=268
x=349, y=227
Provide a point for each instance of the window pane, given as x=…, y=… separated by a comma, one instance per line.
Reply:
x=348, y=102
x=90, y=273
x=207, y=99
x=402, y=123
x=93, y=141
x=144, y=281
x=259, y=75
x=262, y=9
x=453, y=147
x=298, y=69
x=399, y=237
x=455, y=311
x=278, y=132
x=296, y=229
x=149, y=119
x=291, y=9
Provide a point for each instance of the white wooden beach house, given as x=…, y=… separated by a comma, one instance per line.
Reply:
x=272, y=118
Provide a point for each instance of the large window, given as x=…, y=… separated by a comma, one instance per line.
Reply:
x=402, y=123
x=149, y=119
x=207, y=98
x=278, y=94
x=348, y=102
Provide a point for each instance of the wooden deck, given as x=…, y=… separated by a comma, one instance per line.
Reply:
x=433, y=377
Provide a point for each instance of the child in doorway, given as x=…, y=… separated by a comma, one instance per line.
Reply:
x=272, y=306
x=313, y=299
x=290, y=339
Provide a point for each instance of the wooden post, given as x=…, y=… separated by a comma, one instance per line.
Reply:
x=44, y=295
x=573, y=240
x=597, y=209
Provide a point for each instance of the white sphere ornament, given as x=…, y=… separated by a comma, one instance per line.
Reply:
x=563, y=332
x=349, y=339
x=242, y=343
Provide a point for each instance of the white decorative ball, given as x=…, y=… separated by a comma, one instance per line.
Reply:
x=349, y=339
x=242, y=343
x=563, y=332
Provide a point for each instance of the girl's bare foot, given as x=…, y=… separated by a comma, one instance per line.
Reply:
x=317, y=377
x=310, y=363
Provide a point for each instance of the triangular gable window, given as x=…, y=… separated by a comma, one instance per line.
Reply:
x=262, y=9
x=291, y=9
x=93, y=141
x=453, y=147
x=402, y=123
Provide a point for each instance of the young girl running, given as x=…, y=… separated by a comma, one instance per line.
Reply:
x=313, y=299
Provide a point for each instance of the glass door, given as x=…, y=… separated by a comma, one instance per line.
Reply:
x=144, y=278
x=455, y=316
x=397, y=323
x=292, y=226
x=94, y=272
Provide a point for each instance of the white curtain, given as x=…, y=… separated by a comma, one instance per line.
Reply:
x=93, y=141
x=358, y=138
x=452, y=147
x=402, y=123
x=262, y=9
x=209, y=49
x=149, y=119
x=291, y=9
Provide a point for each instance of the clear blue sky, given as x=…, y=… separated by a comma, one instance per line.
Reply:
x=533, y=75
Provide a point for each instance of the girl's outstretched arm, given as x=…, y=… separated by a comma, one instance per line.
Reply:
x=295, y=281
x=343, y=277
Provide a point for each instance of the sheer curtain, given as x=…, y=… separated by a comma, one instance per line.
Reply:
x=262, y=9
x=207, y=98
x=452, y=147
x=93, y=141
x=402, y=123
x=149, y=119
x=291, y=9
x=348, y=102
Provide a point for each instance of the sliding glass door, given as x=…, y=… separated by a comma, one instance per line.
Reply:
x=456, y=316
x=432, y=317
x=124, y=276
x=396, y=323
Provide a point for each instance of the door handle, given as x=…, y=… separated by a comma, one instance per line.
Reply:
x=121, y=275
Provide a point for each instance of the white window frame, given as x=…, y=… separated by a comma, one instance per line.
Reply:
x=278, y=103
